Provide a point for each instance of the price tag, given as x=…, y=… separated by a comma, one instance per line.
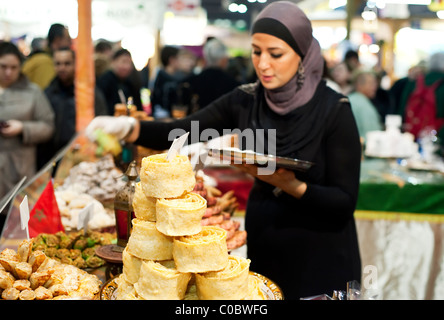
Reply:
x=84, y=216
x=176, y=146
x=24, y=215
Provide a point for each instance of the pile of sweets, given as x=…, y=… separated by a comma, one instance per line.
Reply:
x=169, y=254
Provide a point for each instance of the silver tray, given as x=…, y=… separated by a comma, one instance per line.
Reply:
x=237, y=156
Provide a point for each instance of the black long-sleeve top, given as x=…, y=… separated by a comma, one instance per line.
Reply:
x=308, y=245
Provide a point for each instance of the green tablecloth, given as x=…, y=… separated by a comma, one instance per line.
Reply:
x=388, y=186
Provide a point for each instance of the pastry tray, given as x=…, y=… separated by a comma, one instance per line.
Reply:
x=237, y=156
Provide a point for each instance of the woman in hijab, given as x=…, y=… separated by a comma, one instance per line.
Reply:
x=303, y=237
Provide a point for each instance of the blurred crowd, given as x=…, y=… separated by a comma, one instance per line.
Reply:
x=184, y=82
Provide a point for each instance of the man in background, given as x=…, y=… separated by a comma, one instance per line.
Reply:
x=367, y=117
x=61, y=95
x=213, y=81
x=39, y=67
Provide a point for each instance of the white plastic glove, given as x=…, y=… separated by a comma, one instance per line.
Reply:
x=116, y=126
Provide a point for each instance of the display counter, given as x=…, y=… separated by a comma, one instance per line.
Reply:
x=399, y=217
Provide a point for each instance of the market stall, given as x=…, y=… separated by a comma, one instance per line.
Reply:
x=58, y=197
x=400, y=219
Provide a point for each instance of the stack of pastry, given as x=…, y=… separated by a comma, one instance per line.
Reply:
x=169, y=254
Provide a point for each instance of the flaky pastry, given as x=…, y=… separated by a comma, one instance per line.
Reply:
x=160, y=280
x=144, y=207
x=147, y=243
x=131, y=266
x=166, y=179
x=202, y=252
x=230, y=283
x=180, y=216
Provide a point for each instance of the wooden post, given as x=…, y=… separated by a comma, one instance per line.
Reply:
x=85, y=77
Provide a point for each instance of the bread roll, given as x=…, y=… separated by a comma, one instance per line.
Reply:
x=230, y=283
x=147, y=243
x=166, y=179
x=144, y=207
x=202, y=252
x=161, y=281
x=180, y=216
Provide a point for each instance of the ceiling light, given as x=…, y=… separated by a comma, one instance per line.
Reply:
x=242, y=8
x=233, y=7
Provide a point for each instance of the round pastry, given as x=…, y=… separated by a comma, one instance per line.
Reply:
x=180, y=216
x=254, y=289
x=161, y=281
x=202, y=252
x=230, y=283
x=131, y=266
x=166, y=179
x=125, y=289
x=147, y=243
x=144, y=207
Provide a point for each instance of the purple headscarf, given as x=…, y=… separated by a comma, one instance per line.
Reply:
x=285, y=20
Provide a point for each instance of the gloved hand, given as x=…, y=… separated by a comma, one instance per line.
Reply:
x=119, y=127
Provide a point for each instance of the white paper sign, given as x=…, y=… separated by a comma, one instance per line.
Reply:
x=176, y=146
x=24, y=215
x=84, y=216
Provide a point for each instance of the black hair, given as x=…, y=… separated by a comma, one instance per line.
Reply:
x=56, y=30
x=121, y=52
x=7, y=47
x=102, y=46
x=167, y=53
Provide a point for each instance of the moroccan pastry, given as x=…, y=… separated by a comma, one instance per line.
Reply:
x=180, y=216
x=131, y=266
x=166, y=179
x=144, y=207
x=230, y=283
x=160, y=280
x=254, y=289
x=125, y=289
x=202, y=252
x=147, y=243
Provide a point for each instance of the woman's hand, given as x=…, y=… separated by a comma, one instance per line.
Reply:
x=12, y=129
x=123, y=127
x=280, y=178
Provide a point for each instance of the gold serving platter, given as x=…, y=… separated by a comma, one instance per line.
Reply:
x=270, y=289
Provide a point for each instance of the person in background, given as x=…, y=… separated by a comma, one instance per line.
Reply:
x=119, y=77
x=39, y=68
x=26, y=116
x=300, y=225
x=434, y=73
x=329, y=79
x=61, y=95
x=165, y=83
x=383, y=101
x=213, y=81
x=103, y=51
x=398, y=86
x=342, y=77
x=351, y=60
x=367, y=117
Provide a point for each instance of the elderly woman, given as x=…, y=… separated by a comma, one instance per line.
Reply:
x=303, y=238
x=27, y=119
